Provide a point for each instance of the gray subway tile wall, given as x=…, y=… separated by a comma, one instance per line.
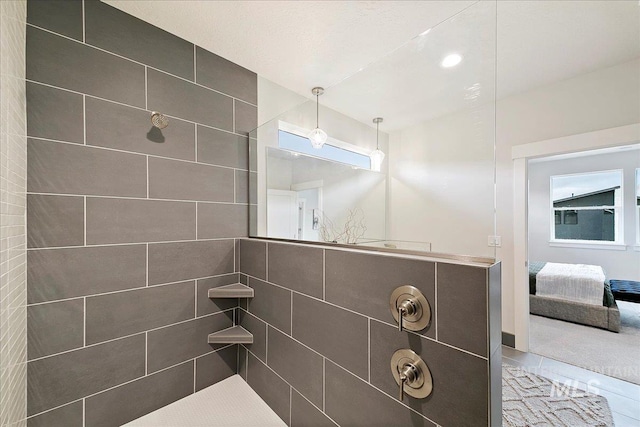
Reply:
x=126, y=128
x=70, y=415
x=348, y=327
x=68, y=64
x=119, y=264
x=215, y=367
x=116, y=406
x=54, y=113
x=110, y=29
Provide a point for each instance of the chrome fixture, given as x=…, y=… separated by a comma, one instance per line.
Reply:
x=411, y=374
x=317, y=136
x=410, y=308
x=159, y=120
x=377, y=156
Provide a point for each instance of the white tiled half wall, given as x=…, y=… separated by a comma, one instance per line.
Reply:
x=13, y=163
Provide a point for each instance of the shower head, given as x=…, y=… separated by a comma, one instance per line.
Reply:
x=159, y=120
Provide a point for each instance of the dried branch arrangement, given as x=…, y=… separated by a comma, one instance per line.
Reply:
x=353, y=229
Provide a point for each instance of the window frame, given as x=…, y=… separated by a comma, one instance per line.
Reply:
x=618, y=210
x=303, y=132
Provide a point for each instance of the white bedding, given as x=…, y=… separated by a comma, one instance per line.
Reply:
x=574, y=282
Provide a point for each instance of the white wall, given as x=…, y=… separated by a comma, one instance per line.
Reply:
x=442, y=182
x=618, y=264
x=602, y=99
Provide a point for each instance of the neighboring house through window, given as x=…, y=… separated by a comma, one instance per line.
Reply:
x=587, y=207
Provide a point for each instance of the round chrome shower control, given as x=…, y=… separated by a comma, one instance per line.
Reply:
x=411, y=374
x=410, y=308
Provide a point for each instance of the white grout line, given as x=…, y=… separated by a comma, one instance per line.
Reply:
x=195, y=132
x=142, y=64
x=84, y=322
x=147, y=177
x=133, y=106
x=367, y=317
x=84, y=200
x=233, y=114
x=434, y=315
x=194, y=375
x=84, y=40
x=123, y=290
x=195, y=300
x=246, y=362
x=31, y=193
x=161, y=242
x=147, y=264
x=266, y=340
x=369, y=349
x=291, y=315
x=146, y=353
x=235, y=188
x=133, y=380
x=146, y=88
x=137, y=153
x=324, y=381
x=290, y=402
x=195, y=63
x=196, y=209
x=324, y=275
x=266, y=262
x=134, y=334
x=84, y=119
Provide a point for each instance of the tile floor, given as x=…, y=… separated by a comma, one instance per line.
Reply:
x=623, y=397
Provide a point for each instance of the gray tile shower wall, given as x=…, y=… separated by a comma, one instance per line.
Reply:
x=324, y=336
x=128, y=225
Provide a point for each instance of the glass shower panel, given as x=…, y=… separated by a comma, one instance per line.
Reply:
x=435, y=190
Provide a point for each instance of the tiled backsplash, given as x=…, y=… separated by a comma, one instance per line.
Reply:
x=128, y=226
x=324, y=336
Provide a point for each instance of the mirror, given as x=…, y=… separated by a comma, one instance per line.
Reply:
x=434, y=190
x=315, y=199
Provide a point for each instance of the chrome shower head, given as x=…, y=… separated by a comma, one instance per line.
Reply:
x=159, y=120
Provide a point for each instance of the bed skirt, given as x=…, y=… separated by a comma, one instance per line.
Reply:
x=586, y=314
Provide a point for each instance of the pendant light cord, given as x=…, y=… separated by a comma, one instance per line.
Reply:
x=377, y=135
x=317, y=111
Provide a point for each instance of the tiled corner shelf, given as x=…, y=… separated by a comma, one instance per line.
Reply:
x=232, y=335
x=235, y=334
x=236, y=290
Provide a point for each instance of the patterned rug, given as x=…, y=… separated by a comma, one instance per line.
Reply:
x=530, y=400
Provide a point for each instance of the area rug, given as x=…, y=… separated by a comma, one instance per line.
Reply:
x=598, y=350
x=532, y=401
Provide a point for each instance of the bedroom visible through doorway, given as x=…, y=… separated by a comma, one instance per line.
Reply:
x=584, y=252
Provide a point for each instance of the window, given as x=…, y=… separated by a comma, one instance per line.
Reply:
x=587, y=207
x=342, y=154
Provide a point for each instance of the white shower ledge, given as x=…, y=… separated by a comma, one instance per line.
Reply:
x=229, y=403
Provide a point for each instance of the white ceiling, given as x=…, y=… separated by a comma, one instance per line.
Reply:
x=301, y=44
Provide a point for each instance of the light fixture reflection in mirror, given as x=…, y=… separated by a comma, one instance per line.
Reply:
x=377, y=155
x=317, y=136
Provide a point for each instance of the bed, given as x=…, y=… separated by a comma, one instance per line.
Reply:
x=571, y=309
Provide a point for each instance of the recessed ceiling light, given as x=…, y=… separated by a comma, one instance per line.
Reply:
x=451, y=60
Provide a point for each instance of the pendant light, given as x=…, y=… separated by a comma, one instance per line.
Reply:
x=317, y=136
x=377, y=156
